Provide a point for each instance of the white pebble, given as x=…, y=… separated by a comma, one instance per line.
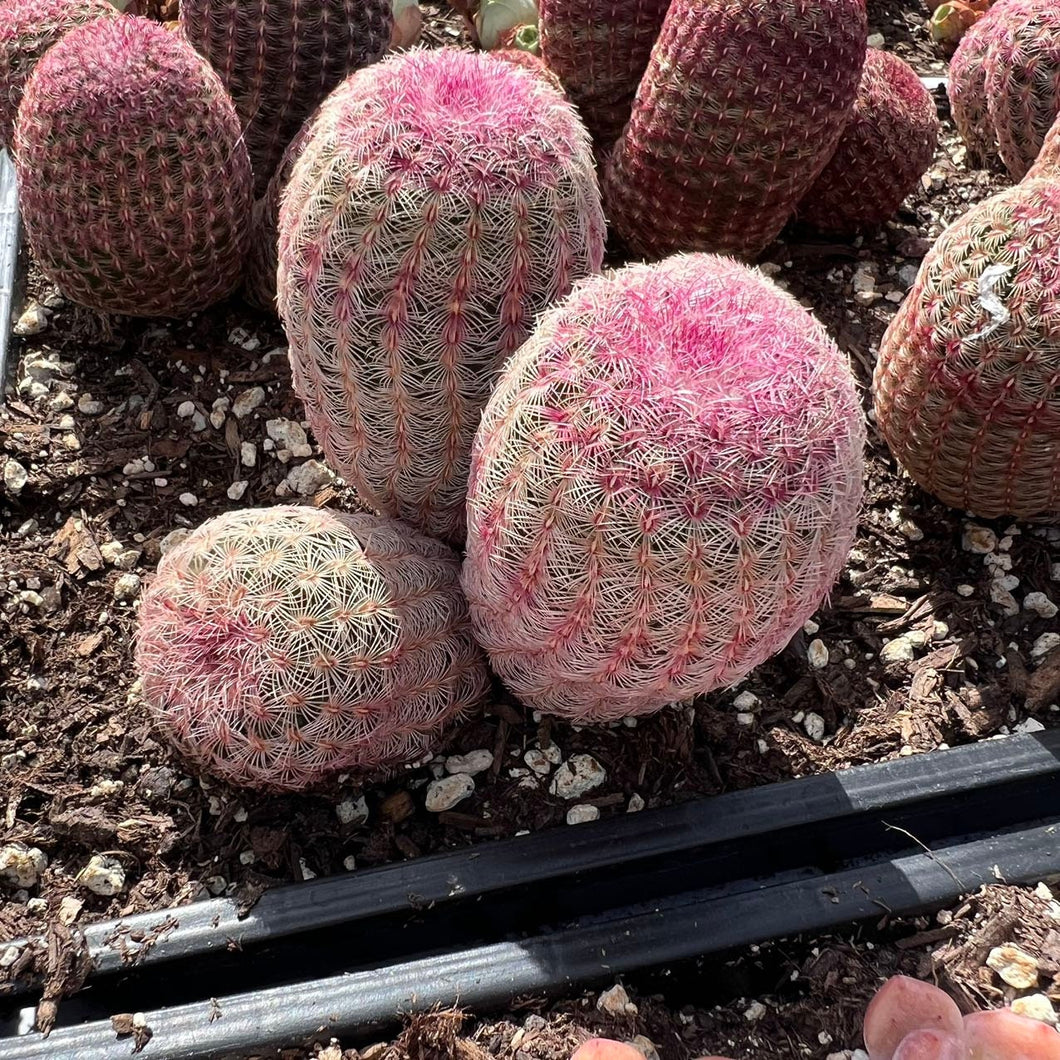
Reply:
x=22, y=865
x=582, y=814
x=1045, y=644
x=350, y=810
x=578, y=775
x=965, y=590
x=1029, y=725
x=186, y=409
x=745, y=701
x=444, y=794
x=103, y=876
x=1035, y=1007
x=875, y=40
x=636, y=803
x=307, y=478
x=809, y=627
x=1054, y=572
x=745, y=718
x=246, y=402
x=1004, y=599
x=33, y=321
x=172, y=539
x=288, y=433
x=814, y=726
x=248, y=454
x=15, y=476
x=237, y=489
x=913, y=532
x=537, y=760
x=979, y=539
x=127, y=588
x=189, y=500
x=88, y=406
x=1040, y=604
x=755, y=1011
x=817, y=654
x=898, y=650
x=615, y=1002
x=473, y=763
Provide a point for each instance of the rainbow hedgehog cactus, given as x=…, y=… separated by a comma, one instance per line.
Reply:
x=28, y=28
x=1048, y=162
x=967, y=385
x=279, y=59
x=441, y=201
x=884, y=150
x=966, y=89
x=277, y=646
x=740, y=109
x=130, y=111
x=664, y=487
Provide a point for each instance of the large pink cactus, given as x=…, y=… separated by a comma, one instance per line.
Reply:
x=279, y=645
x=1047, y=163
x=442, y=200
x=664, y=487
x=966, y=88
x=739, y=111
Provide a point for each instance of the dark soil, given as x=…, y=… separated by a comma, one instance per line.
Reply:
x=83, y=774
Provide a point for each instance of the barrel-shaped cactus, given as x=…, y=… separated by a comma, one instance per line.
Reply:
x=967, y=386
x=134, y=182
x=664, y=487
x=279, y=645
x=28, y=28
x=600, y=49
x=966, y=88
x=280, y=58
x=741, y=108
x=442, y=200
x=884, y=150
x=1047, y=163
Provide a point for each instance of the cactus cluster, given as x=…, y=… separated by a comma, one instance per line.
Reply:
x=1004, y=83
x=1047, y=163
x=599, y=49
x=887, y=145
x=664, y=487
x=28, y=28
x=279, y=59
x=277, y=646
x=967, y=386
x=741, y=108
x=135, y=186
x=441, y=201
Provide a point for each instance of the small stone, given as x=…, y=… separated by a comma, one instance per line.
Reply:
x=809, y=627
x=755, y=1011
x=910, y=530
x=21, y=865
x=817, y=654
x=1040, y=604
x=31, y=598
x=979, y=539
x=1054, y=572
x=446, y=793
x=248, y=454
x=307, y=478
x=189, y=500
x=61, y=402
x=33, y=321
x=538, y=761
x=644, y=1046
x=1045, y=644
x=286, y=432
x=88, y=406
x=965, y=590
x=246, y=402
x=473, y=763
x=1004, y=599
x=217, y=419
x=578, y=775
x=1029, y=725
x=172, y=539
x=127, y=588
x=216, y=885
x=814, y=726
x=898, y=650
x=1035, y=1007
x=615, y=1002
x=237, y=489
x=876, y=40
x=349, y=863
x=103, y=876
x=636, y=803
x=350, y=810
x=745, y=718
x=15, y=476
x=9, y=956
x=745, y=701
x=582, y=814
x=1018, y=969
x=186, y=409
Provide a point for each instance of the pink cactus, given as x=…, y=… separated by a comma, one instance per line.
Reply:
x=1048, y=162
x=664, y=486
x=28, y=28
x=606, y=1049
x=279, y=645
x=886, y=147
x=966, y=88
x=902, y=1006
x=443, y=199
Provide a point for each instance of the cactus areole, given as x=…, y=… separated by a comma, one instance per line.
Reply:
x=664, y=487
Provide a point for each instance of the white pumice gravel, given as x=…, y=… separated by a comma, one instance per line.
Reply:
x=473, y=763
x=447, y=792
x=102, y=875
x=578, y=775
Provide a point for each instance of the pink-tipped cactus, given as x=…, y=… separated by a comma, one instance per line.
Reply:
x=664, y=487
x=529, y=61
x=885, y=148
x=1048, y=162
x=600, y=50
x=1022, y=78
x=279, y=645
x=966, y=88
x=279, y=59
x=741, y=108
x=967, y=385
x=28, y=28
x=443, y=200
x=134, y=182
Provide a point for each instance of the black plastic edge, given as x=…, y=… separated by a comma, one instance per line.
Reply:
x=490, y=976
x=10, y=241
x=198, y=929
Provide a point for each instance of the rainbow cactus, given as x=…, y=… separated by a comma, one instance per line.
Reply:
x=741, y=108
x=443, y=200
x=664, y=487
x=529, y=61
x=279, y=59
x=966, y=88
x=277, y=646
x=126, y=109
x=1048, y=162
x=600, y=49
x=967, y=386
x=885, y=149
x=28, y=28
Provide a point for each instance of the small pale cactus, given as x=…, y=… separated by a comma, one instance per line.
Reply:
x=278, y=646
x=443, y=199
x=966, y=88
x=885, y=149
x=600, y=49
x=664, y=487
x=967, y=386
x=741, y=108
x=1048, y=161
x=28, y=28
x=280, y=58
x=134, y=183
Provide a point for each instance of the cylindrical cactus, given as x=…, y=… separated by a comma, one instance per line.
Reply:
x=600, y=49
x=443, y=200
x=529, y=61
x=884, y=150
x=134, y=182
x=279, y=59
x=28, y=28
x=966, y=88
x=279, y=645
x=1048, y=161
x=739, y=111
x=967, y=386
x=664, y=487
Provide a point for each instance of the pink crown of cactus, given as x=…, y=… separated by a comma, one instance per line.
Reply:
x=131, y=111
x=664, y=487
x=887, y=145
x=277, y=646
x=442, y=200
x=967, y=385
